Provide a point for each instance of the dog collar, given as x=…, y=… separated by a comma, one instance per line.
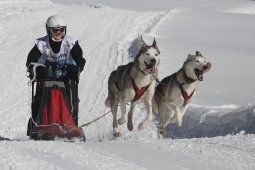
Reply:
x=187, y=79
x=137, y=65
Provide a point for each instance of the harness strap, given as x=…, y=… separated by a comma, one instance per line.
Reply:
x=139, y=92
x=185, y=96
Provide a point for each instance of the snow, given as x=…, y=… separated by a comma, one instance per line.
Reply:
x=218, y=128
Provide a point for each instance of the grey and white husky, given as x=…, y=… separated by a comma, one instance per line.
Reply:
x=135, y=83
x=173, y=94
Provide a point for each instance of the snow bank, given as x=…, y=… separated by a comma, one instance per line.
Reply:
x=245, y=9
x=201, y=121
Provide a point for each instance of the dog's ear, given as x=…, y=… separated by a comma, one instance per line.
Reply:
x=198, y=53
x=154, y=44
x=189, y=57
x=142, y=42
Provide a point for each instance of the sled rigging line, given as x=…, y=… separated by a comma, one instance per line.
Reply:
x=96, y=119
x=87, y=124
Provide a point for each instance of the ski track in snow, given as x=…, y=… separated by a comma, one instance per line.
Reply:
x=108, y=37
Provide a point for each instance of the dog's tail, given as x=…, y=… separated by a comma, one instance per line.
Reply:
x=107, y=102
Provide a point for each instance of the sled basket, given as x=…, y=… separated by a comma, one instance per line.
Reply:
x=54, y=118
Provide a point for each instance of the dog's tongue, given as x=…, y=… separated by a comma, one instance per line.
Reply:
x=200, y=75
x=150, y=69
x=209, y=65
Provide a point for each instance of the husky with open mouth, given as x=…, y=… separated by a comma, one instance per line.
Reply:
x=135, y=83
x=174, y=93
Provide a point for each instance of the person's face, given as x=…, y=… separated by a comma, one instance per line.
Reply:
x=57, y=33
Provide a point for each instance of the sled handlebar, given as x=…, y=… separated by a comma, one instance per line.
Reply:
x=57, y=71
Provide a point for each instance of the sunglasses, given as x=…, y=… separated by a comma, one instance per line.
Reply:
x=56, y=30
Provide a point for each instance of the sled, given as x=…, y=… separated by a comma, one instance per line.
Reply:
x=56, y=118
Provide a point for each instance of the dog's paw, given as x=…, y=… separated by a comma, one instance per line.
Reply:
x=161, y=133
x=160, y=136
x=122, y=121
x=179, y=123
x=116, y=132
x=130, y=126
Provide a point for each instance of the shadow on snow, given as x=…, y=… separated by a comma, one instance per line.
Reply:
x=3, y=138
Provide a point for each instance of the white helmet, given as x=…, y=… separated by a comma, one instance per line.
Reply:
x=55, y=21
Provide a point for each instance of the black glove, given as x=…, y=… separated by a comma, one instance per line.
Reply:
x=42, y=73
x=72, y=72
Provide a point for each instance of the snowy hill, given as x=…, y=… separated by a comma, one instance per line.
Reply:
x=218, y=129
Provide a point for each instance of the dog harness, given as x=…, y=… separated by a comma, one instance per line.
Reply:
x=185, y=96
x=139, y=92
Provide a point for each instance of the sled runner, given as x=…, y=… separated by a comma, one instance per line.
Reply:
x=55, y=111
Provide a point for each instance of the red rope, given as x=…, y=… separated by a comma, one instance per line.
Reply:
x=86, y=124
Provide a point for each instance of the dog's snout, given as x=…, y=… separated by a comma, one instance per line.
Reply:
x=153, y=61
x=205, y=67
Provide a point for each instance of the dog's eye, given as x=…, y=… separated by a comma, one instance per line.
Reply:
x=147, y=54
x=197, y=60
x=156, y=54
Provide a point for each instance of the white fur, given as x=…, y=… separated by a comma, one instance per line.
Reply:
x=142, y=72
x=170, y=104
